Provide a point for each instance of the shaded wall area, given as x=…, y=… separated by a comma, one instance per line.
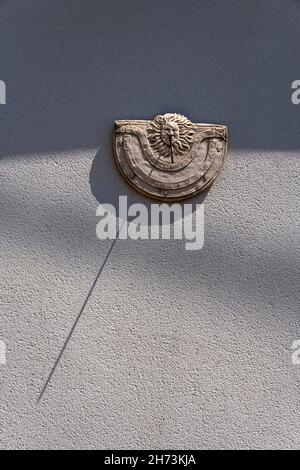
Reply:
x=173, y=349
x=73, y=67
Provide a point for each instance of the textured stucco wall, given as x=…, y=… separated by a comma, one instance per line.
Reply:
x=174, y=349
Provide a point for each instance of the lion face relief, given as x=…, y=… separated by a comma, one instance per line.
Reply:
x=171, y=133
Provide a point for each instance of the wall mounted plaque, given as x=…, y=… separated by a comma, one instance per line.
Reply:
x=169, y=158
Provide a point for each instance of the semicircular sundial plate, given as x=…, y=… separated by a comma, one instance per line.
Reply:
x=169, y=158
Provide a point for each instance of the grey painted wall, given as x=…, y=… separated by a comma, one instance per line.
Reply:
x=173, y=348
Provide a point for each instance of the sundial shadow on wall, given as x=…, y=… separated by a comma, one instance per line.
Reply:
x=168, y=159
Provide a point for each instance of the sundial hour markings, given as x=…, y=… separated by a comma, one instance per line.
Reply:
x=169, y=155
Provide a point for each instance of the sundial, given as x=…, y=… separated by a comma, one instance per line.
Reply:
x=169, y=158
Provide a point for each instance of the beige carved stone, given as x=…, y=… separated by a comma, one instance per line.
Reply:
x=169, y=158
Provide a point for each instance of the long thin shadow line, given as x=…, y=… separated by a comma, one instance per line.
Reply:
x=76, y=321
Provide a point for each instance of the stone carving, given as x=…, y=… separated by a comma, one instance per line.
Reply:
x=171, y=135
x=169, y=158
